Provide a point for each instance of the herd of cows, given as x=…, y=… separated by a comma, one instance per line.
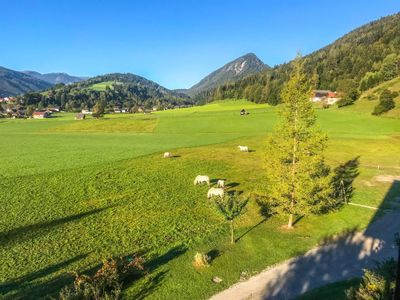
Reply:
x=218, y=191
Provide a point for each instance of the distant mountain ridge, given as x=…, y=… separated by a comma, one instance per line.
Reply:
x=237, y=69
x=55, y=78
x=14, y=83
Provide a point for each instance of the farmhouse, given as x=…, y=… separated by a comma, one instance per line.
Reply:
x=40, y=114
x=325, y=95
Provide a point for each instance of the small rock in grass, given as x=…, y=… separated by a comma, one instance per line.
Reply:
x=216, y=279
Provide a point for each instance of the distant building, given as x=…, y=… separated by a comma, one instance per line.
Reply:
x=325, y=95
x=80, y=116
x=40, y=114
x=86, y=111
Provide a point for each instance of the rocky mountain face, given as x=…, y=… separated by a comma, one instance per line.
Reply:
x=235, y=70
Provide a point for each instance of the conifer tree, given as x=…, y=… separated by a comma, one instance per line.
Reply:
x=298, y=179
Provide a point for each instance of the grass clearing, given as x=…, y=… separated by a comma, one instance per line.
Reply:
x=75, y=192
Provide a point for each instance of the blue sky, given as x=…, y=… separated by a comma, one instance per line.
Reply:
x=174, y=43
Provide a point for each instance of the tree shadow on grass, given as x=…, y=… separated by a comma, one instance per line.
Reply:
x=213, y=254
x=152, y=282
x=232, y=184
x=171, y=254
x=26, y=288
x=250, y=229
x=31, y=231
x=154, y=277
x=342, y=181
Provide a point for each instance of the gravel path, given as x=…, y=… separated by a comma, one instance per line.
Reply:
x=341, y=258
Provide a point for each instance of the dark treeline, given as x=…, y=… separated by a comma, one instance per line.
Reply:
x=125, y=90
x=356, y=62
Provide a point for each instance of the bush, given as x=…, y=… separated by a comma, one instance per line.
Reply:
x=107, y=282
x=378, y=283
x=201, y=260
x=345, y=102
x=386, y=102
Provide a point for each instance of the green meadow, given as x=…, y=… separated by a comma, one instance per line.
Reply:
x=73, y=193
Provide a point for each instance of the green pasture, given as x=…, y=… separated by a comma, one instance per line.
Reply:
x=75, y=192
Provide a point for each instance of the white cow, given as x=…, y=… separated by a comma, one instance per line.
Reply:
x=218, y=192
x=243, y=148
x=221, y=183
x=167, y=155
x=201, y=179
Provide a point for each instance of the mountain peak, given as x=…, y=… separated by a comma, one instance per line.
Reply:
x=236, y=69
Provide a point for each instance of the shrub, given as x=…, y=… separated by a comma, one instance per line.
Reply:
x=107, y=282
x=386, y=102
x=378, y=283
x=201, y=260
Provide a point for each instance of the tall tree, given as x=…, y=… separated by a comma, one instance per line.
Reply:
x=298, y=179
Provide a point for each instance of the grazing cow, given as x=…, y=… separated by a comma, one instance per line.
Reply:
x=217, y=192
x=243, y=148
x=201, y=179
x=221, y=183
x=167, y=155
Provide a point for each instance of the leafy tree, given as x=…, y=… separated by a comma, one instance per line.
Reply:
x=298, y=179
x=390, y=67
x=231, y=207
x=98, y=109
x=386, y=102
x=29, y=110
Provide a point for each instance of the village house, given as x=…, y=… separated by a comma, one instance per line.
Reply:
x=325, y=95
x=40, y=114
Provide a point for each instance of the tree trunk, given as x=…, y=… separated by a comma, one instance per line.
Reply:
x=290, y=223
x=232, y=238
x=293, y=193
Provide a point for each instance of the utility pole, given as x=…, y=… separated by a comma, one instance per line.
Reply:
x=397, y=289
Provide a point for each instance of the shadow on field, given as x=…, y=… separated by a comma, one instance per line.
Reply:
x=24, y=287
x=232, y=184
x=250, y=229
x=343, y=178
x=31, y=231
x=340, y=257
x=155, y=277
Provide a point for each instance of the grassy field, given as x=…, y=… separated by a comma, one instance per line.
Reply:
x=101, y=86
x=75, y=192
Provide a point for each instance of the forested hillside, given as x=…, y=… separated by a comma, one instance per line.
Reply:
x=359, y=60
x=116, y=89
